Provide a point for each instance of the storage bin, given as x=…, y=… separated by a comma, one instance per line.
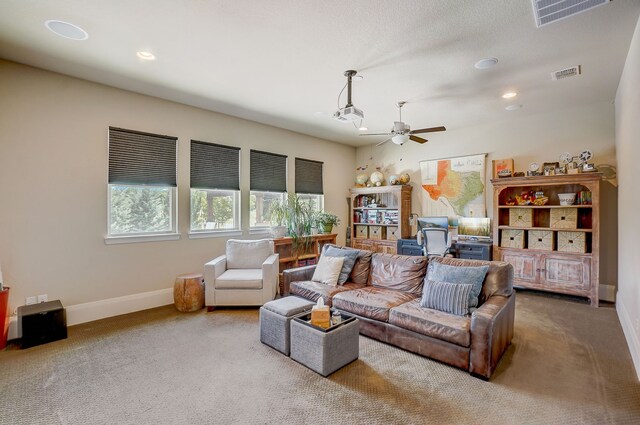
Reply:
x=512, y=238
x=393, y=234
x=362, y=232
x=541, y=239
x=377, y=232
x=564, y=218
x=520, y=217
x=572, y=242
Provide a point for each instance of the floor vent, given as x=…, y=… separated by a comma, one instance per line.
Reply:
x=548, y=11
x=574, y=71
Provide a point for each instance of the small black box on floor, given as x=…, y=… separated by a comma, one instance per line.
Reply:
x=41, y=323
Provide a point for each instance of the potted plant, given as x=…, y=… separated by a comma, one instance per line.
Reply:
x=325, y=221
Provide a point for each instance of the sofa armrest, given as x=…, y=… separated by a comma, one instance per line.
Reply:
x=491, y=333
x=270, y=270
x=297, y=274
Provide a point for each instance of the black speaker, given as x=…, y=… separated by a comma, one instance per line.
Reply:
x=41, y=323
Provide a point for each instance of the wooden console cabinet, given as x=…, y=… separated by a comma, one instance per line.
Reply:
x=380, y=217
x=290, y=258
x=534, y=238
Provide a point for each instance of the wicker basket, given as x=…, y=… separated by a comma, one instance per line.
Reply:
x=377, y=232
x=564, y=218
x=541, y=239
x=362, y=232
x=393, y=234
x=572, y=242
x=512, y=238
x=520, y=217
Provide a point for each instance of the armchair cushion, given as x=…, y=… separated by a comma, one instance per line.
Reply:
x=240, y=279
x=248, y=254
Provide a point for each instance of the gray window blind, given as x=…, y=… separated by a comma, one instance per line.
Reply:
x=141, y=158
x=268, y=172
x=214, y=166
x=308, y=176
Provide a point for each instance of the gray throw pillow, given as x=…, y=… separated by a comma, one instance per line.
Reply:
x=448, y=297
x=460, y=275
x=349, y=260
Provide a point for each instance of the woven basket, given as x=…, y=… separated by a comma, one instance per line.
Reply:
x=564, y=218
x=512, y=238
x=520, y=217
x=572, y=242
x=541, y=239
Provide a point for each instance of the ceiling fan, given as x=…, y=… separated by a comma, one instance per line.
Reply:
x=401, y=132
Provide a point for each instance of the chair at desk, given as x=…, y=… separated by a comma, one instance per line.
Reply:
x=435, y=242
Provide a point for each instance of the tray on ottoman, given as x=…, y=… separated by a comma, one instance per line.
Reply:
x=324, y=350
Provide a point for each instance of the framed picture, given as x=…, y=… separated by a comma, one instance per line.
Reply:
x=549, y=168
x=501, y=165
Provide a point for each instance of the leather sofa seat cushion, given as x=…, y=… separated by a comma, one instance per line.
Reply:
x=313, y=290
x=371, y=302
x=248, y=254
x=436, y=324
x=240, y=279
x=398, y=272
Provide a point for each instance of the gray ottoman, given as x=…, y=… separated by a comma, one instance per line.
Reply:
x=275, y=317
x=324, y=351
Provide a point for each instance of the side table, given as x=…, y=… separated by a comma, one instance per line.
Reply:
x=188, y=292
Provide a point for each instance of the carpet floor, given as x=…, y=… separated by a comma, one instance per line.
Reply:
x=568, y=364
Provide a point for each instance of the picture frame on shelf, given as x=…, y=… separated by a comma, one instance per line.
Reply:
x=502, y=166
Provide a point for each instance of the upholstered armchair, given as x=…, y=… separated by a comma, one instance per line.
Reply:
x=246, y=275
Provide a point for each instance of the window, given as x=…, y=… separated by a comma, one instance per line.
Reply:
x=309, y=185
x=268, y=183
x=142, y=183
x=215, y=187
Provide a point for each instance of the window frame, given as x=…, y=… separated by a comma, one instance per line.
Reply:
x=210, y=233
x=262, y=228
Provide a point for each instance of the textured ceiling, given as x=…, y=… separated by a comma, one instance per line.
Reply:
x=281, y=62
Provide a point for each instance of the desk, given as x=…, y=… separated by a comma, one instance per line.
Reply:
x=469, y=249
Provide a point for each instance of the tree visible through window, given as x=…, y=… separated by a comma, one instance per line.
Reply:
x=140, y=209
x=213, y=209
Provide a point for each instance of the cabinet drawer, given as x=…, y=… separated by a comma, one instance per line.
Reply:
x=471, y=255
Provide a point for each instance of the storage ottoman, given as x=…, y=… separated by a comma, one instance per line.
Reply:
x=324, y=351
x=274, y=320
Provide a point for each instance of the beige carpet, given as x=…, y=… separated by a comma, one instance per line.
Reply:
x=568, y=364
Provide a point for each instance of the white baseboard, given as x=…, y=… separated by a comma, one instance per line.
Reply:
x=96, y=310
x=630, y=334
x=607, y=293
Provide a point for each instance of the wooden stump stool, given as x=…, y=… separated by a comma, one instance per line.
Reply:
x=188, y=292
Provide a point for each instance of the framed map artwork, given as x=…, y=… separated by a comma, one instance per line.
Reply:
x=454, y=187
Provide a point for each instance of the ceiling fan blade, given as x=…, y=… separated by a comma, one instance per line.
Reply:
x=418, y=139
x=383, y=142
x=427, y=130
x=376, y=134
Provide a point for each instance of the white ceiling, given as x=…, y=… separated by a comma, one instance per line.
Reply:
x=280, y=62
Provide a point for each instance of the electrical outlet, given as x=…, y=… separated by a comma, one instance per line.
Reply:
x=43, y=298
x=31, y=300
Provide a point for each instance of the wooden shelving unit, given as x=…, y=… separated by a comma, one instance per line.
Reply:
x=290, y=258
x=552, y=268
x=380, y=217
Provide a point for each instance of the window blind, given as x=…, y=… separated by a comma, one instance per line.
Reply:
x=214, y=166
x=268, y=171
x=141, y=158
x=309, y=176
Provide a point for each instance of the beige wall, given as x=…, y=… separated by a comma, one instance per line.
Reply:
x=628, y=152
x=539, y=138
x=53, y=184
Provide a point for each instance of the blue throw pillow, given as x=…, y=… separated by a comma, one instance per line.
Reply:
x=448, y=297
x=349, y=255
x=459, y=275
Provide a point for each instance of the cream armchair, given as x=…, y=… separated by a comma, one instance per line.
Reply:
x=246, y=275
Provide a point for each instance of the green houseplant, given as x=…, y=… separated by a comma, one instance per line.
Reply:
x=293, y=217
x=325, y=221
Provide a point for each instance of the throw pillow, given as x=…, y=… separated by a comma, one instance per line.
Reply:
x=448, y=297
x=328, y=270
x=349, y=261
x=460, y=275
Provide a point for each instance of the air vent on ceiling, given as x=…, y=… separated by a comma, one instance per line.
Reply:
x=548, y=11
x=574, y=71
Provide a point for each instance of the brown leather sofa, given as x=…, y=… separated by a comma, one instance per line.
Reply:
x=384, y=292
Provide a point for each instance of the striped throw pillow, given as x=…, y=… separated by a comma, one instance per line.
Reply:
x=448, y=297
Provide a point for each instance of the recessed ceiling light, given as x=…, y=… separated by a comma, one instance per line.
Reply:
x=486, y=63
x=513, y=107
x=509, y=95
x=147, y=56
x=66, y=30
x=363, y=128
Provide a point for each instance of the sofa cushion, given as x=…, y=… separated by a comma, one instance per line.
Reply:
x=473, y=275
x=448, y=297
x=328, y=270
x=349, y=256
x=240, y=279
x=248, y=254
x=399, y=272
x=314, y=290
x=433, y=323
x=371, y=302
x=499, y=280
